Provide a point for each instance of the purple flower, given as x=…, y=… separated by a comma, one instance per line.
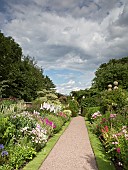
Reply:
x=4, y=153
x=1, y=146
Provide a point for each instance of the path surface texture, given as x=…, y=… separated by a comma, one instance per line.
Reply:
x=73, y=150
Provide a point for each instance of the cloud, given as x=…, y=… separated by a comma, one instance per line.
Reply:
x=67, y=80
x=68, y=35
x=69, y=86
x=60, y=38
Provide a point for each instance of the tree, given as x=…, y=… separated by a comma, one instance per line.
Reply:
x=20, y=76
x=10, y=53
x=48, y=84
x=114, y=70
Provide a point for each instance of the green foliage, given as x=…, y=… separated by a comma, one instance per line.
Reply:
x=113, y=100
x=20, y=77
x=63, y=116
x=42, y=155
x=20, y=153
x=57, y=121
x=10, y=53
x=90, y=111
x=48, y=84
x=8, y=101
x=102, y=159
x=2, y=86
x=48, y=96
x=114, y=70
x=74, y=107
x=91, y=97
x=20, y=134
x=112, y=130
x=68, y=112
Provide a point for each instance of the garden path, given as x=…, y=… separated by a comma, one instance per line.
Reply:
x=73, y=150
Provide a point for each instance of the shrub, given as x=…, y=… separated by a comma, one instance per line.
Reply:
x=68, y=112
x=57, y=121
x=83, y=111
x=63, y=116
x=113, y=100
x=20, y=153
x=74, y=107
x=90, y=112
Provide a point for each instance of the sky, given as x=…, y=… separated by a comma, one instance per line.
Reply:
x=69, y=39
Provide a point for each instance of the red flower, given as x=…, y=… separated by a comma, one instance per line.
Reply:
x=105, y=129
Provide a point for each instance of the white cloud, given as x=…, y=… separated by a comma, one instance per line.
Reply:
x=76, y=35
x=66, y=88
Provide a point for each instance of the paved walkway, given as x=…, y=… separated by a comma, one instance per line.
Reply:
x=73, y=150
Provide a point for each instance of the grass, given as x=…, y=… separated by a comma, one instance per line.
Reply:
x=102, y=160
x=42, y=155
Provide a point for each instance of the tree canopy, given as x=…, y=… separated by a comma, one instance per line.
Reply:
x=107, y=73
x=114, y=70
x=20, y=77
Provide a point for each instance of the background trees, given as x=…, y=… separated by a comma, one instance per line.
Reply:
x=20, y=77
x=114, y=70
x=107, y=73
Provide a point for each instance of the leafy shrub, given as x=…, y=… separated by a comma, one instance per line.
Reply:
x=91, y=101
x=90, y=111
x=68, y=112
x=16, y=155
x=57, y=121
x=74, y=107
x=113, y=100
x=83, y=111
x=20, y=153
x=7, y=129
x=63, y=116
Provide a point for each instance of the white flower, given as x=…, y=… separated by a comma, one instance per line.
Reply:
x=41, y=107
x=51, y=108
x=120, y=164
x=96, y=114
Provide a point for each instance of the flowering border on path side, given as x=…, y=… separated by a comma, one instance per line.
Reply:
x=42, y=155
x=102, y=161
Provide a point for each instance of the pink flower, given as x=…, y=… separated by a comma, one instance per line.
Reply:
x=118, y=150
x=50, y=123
x=112, y=115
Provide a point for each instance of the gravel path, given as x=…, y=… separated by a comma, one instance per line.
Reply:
x=73, y=150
